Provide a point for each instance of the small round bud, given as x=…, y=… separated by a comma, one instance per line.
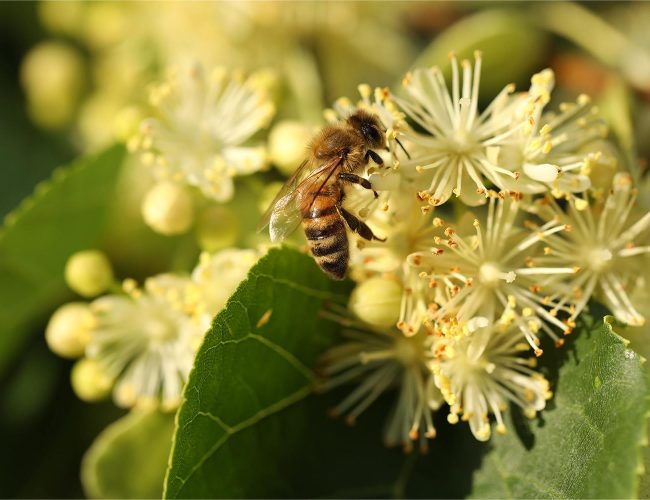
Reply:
x=61, y=18
x=89, y=273
x=377, y=301
x=127, y=122
x=288, y=142
x=167, y=208
x=68, y=331
x=95, y=113
x=217, y=228
x=89, y=381
x=52, y=75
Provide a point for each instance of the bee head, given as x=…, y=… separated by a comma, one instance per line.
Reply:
x=370, y=128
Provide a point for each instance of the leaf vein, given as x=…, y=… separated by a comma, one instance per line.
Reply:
x=232, y=430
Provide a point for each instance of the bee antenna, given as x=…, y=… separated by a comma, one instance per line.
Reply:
x=403, y=148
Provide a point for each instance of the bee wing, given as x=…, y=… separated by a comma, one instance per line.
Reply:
x=283, y=215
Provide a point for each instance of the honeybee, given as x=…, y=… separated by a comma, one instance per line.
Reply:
x=315, y=192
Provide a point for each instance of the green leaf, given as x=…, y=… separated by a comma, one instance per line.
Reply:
x=250, y=427
x=246, y=371
x=64, y=215
x=586, y=444
x=128, y=459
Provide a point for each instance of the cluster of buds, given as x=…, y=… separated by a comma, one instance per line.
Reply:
x=139, y=342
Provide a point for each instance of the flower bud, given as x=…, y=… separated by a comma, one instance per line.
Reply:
x=52, y=75
x=377, y=301
x=127, y=122
x=217, y=228
x=89, y=273
x=64, y=18
x=89, y=381
x=167, y=208
x=288, y=143
x=96, y=117
x=68, y=331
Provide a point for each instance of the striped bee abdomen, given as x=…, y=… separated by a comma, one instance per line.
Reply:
x=325, y=232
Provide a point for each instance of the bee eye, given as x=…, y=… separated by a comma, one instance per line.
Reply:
x=371, y=133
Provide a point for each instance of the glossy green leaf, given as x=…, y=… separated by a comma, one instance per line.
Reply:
x=639, y=338
x=128, y=459
x=64, y=215
x=248, y=370
x=586, y=444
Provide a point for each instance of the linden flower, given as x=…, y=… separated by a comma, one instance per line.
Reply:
x=379, y=361
x=480, y=372
x=489, y=274
x=451, y=154
x=202, y=127
x=146, y=341
x=553, y=152
x=602, y=244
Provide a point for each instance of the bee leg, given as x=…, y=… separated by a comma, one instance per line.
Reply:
x=356, y=179
x=358, y=226
x=375, y=157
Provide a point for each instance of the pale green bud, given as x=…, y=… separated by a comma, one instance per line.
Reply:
x=288, y=143
x=168, y=209
x=89, y=381
x=217, y=228
x=52, y=75
x=68, y=331
x=377, y=301
x=89, y=273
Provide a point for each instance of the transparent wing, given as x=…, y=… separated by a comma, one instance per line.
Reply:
x=283, y=215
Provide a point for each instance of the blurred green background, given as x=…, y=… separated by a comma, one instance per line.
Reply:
x=322, y=51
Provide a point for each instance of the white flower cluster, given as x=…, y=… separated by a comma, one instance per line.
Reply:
x=140, y=344
x=465, y=286
x=201, y=134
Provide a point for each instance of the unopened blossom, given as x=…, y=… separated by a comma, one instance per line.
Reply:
x=145, y=341
x=480, y=371
x=378, y=361
x=488, y=273
x=88, y=273
x=202, y=128
x=603, y=243
x=168, y=209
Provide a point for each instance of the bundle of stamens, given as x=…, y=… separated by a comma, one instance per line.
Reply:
x=380, y=360
x=451, y=154
x=491, y=273
x=480, y=371
x=601, y=244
